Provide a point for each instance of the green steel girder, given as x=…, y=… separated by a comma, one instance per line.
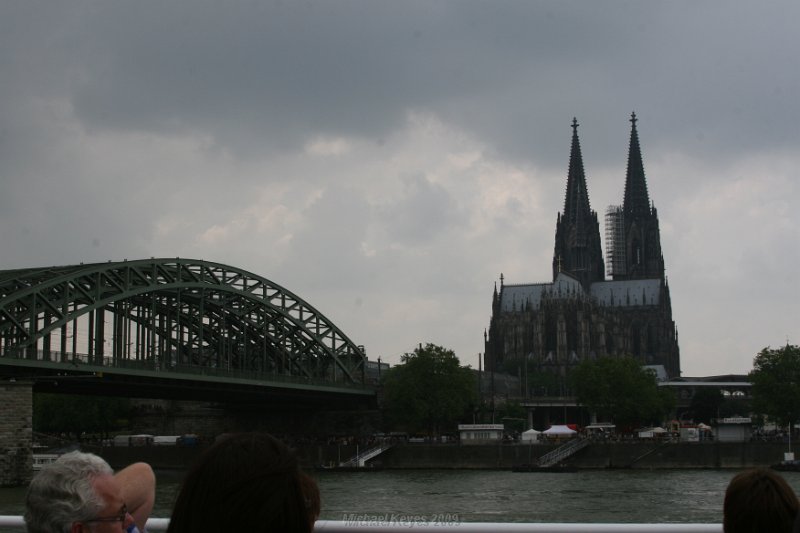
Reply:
x=186, y=306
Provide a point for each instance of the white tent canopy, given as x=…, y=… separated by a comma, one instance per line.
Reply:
x=559, y=430
x=657, y=429
x=531, y=434
x=649, y=433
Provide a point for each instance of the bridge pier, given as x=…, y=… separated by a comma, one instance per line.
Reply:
x=16, y=437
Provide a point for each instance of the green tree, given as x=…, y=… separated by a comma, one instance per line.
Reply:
x=430, y=391
x=776, y=383
x=513, y=416
x=619, y=388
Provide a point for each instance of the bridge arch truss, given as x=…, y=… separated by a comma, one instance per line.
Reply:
x=171, y=315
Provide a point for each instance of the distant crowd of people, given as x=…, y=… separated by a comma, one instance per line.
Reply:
x=253, y=482
x=772, y=435
x=343, y=440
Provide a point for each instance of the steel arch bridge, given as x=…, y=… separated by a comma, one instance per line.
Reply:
x=171, y=318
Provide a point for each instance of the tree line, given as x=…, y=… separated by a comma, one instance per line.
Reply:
x=430, y=392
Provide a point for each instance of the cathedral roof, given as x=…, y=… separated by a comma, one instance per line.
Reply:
x=626, y=293
x=516, y=297
x=629, y=293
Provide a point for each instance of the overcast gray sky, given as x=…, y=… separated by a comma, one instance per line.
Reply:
x=387, y=161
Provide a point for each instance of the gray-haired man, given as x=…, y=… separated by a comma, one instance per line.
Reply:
x=79, y=493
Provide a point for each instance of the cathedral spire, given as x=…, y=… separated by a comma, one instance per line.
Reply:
x=637, y=201
x=577, y=250
x=643, y=257
x=576, y=200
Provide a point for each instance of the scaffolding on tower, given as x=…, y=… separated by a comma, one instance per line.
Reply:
x=615, y=242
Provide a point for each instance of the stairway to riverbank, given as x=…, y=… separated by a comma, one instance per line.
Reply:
x=360, y=459
x=564, y=451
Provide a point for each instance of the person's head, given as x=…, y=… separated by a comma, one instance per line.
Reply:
x=245, y=482
x=311, y=493
x=75, y=494
x=759, y=500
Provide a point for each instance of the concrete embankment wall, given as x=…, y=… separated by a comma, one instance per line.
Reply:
x=180, y=458
x=15, y=433
x=638, y=455
x=601, y=455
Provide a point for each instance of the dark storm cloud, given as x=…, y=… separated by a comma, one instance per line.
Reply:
x=261, y=76
x=265, y=77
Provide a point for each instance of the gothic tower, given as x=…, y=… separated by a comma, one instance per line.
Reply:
x=643, y=258
x=577, y=247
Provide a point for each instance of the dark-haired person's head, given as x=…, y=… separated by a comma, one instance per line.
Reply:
x=244, y=482
x=759, y=500
x=311, y=493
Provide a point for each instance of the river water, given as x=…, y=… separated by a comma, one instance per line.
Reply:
x=616, y=496
x=502, y=496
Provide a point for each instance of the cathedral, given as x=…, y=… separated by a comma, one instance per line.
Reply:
x=547, y=328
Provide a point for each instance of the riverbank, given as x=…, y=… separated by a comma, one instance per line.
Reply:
x=633, y=455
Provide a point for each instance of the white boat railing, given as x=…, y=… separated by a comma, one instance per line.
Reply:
x=335, y=526
x=402, y=523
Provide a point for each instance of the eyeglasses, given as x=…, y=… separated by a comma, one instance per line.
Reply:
x=121, y=517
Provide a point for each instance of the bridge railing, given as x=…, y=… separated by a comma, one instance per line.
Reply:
x=397, y=524
x=76, y=360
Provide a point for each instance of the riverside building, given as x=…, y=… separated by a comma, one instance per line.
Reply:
x=543, y=329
